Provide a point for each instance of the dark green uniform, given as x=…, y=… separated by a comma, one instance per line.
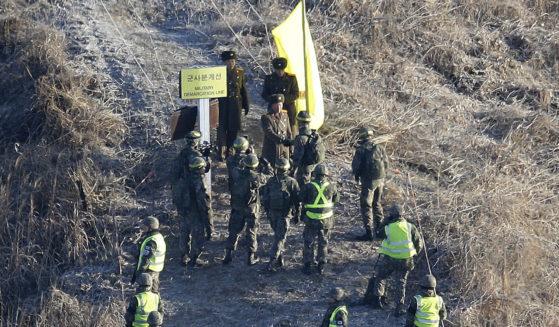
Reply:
x=286, y=85
x=316, y=228
x=302, y=169
x=370, y=163
x=234, y=164
x=230, y=109
x=279, y=198
x=197, y=215
x=180, y=169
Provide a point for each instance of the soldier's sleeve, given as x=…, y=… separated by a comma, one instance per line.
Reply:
x=149, y=251
x=160, y=307
x=265, y=195
x=268, y=130
x=336, y=194
x=410, y=313
x=266, y=89
x=244, y=93
x=292, y=92
x=326, y=319
x=341, y=316
x=356, y=163
x=131, y=312
x=417, y=239
x=442, y=311
x=298, y=151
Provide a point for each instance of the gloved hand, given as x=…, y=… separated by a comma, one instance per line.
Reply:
x=288, y=142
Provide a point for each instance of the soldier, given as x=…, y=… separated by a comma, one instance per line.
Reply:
x=280, y=82
x=151, y=256
x=155, y=319
x=230, y=107
x=336, y=315
x=369, y=165
x=245, y=201
x=143, y=302
x=402, y=242
x=309, y=149
x=234, y=162
x=190, y=151
x=198, y=211
x=279, y=198
x=426, y=309
x=318, y=198
x=275, y=126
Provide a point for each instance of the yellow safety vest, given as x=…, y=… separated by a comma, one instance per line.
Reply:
x=158, y=258
x=398, y=242
x=318, y=210
x=147, y=302
x=333, y=315
x=427, y=312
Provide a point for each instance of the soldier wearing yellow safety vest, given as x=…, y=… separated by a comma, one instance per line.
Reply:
x=318, y=198
x=336, y=315
x=426, y=309
x=143, y=303
x=151, y=257
x=402, y=242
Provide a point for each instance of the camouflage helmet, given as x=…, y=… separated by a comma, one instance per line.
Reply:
x=250, y=161
x=197, y=162
x=155, y=318
x=151, y=222
x=240, y=144
x=283, y=164
x=336, y=293
x=193, y=135
x=144, y=280
x=365, y=132
x=428, y=281
x=396, y=211
x=320, y=170
x=304, y=116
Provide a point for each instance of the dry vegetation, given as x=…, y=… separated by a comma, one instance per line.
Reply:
x=464, y=93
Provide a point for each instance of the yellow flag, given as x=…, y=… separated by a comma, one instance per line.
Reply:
x=289, y=41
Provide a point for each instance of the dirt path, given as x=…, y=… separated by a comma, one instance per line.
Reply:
x=141, y=65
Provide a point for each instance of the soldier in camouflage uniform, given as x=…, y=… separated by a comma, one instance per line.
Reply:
x=279, y=198
x=301, y=168
x=151, y=254
x=369, y=165
x=402, y=242
x=198, y=210
x=318, y=198
x=280, y=82
x=142, y=303
x=231, y=106
x=427, y=308
x=276, y=128
x=245, y=205
x=234, y=162
x=336, y=314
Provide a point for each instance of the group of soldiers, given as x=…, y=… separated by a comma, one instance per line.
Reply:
x=292, y=184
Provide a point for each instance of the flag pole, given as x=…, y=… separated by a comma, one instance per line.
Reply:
x=305, y=56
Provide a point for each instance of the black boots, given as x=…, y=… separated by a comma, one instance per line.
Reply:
x=307, y=269
x=252, y=259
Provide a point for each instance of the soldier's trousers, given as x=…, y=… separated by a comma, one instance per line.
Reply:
x=371, y=207
x=197, y=234
x=303, y=175
x=225, y=139
x=312, y=236
x=280, y=224
x=398, y=270
x=185, y=240
x=239, y=218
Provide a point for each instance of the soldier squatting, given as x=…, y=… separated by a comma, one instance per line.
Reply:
x=292, y=184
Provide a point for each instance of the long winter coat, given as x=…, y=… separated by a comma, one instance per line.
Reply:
x=276, y=129
x=231, y=107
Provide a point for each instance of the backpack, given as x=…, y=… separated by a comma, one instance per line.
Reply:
x=374, y=160
x=278, y=195
x=315, y=150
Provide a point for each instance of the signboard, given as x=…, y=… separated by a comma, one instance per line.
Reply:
x=203, y=83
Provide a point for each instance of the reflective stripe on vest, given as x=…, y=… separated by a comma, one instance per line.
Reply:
x=147, y=302
x=321, y=210
x=158, y=258
x=333, y=315
x=398, y=242
x=427, y=312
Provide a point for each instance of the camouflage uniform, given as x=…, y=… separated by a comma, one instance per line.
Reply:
x=280, y=207
x=372, y=183
x=234, y=163
x=302, y=170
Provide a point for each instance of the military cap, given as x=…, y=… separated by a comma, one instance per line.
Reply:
x=304, y=116
x=365, y=132
x=144, y=280
x=428, y=281
x=282, y=163
x=226, y=55
x=151, y=222
x=155, y=318
x=240, y=143
x=193, y=135
x=336, y=293
x=396, y=211
x=197, y=162
x=320, y=170
x=279, y=63
x=251, y=161
x=276, y=98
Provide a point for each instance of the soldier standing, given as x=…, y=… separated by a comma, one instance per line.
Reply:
x=190, y=151
x=245, y=202
x=230, y=107
x=279, y=198
x=336, y=315
x=369, y=165
x=277, y=130
x=234, y=162
x=402, y=242
x=143, y=302
x=280, y=82
x=308, y=151
x=151, y=256
x=198, y=211
x=426, y=309
x=318, y=198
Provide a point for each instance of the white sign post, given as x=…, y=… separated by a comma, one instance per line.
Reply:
x=204, y=126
